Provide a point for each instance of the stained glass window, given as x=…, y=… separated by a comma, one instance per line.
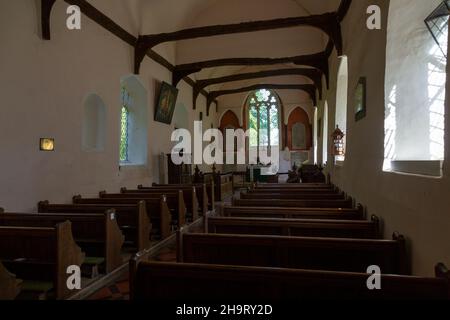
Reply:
x=124, y=125
x=264, y=120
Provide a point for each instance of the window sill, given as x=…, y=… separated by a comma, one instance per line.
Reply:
x=130, y=166
x=430, y=169
x=339, y=163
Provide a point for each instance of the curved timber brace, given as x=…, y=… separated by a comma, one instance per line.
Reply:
x=328, y=23
x=314, y=75
x=46, y=10
x=309, y=88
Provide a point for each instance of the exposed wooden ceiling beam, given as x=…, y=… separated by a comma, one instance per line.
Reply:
x=312, y=74
x=327, y=22
x=343, y=9
x=107, y=23
x=309, y=88
x=46, y=9
x=317, y=60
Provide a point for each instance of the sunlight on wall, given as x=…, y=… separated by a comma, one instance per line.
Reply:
x=325, y=134
x=316, y=160
x=341, y=100
x=390, y=128
x=436, y=95
x=414, y=89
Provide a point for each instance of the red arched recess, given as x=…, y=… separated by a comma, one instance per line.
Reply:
x=296, y=116
x=229, y=120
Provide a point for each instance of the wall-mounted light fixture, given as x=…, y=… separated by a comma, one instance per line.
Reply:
x=47, y=144
x=338, y=142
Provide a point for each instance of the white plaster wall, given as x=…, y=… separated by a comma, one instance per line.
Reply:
x=413, y=205
x=43, y=85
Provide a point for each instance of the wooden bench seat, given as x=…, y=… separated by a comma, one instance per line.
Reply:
x=41, y=254
x=347, y=203
x=295, y=213
x=132, y=219
x=161, y=209
x=157, y=281
x=98, y=235
x=191, y=199
x=293, y=186
x=293, y=196
x=205, y=193
x=295, y=191
x=9, y=284
x=336, y=254
x=360, y=229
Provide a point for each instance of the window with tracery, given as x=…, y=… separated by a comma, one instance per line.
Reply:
x=264, y=118
x=124, y=125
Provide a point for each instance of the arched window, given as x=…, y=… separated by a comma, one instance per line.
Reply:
x=316, y=132
x=94, y=124
x=325, y=134
x=341, y=99
x=124, y=124
x=263, y=116
x=133, y=122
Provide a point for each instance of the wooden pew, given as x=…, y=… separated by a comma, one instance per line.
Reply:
x=294, y=186
x=157, y=281
x=223, y=184
x=98, y=235
x=159, y=210
x=334, y=254
x=347, y=203
x=191, y=198
x=360, y=229
x=10, y=286
x=205, y=193
x=175, y=204
x=293, y=196
x=293, y=191
x=295, y=213
x=39, y=255
x=131, y=218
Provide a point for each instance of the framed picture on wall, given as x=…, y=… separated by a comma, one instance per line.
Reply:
x=166, y=103
x=360, y=99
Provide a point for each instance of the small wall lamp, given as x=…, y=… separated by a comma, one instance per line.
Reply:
x=47, y=144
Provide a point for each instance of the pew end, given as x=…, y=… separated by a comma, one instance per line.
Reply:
x=360, y=209
x=114, y=242
x=2, y=210
x=441, y=271
x=123, y=189
x=146, y=227
x=9, y=284
x=376, y=221
x=404, y=257
x=41, y=206
x=133, y=265
x=76, y=199
x=182, y=210
x=166, y=218
x=68, y=254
